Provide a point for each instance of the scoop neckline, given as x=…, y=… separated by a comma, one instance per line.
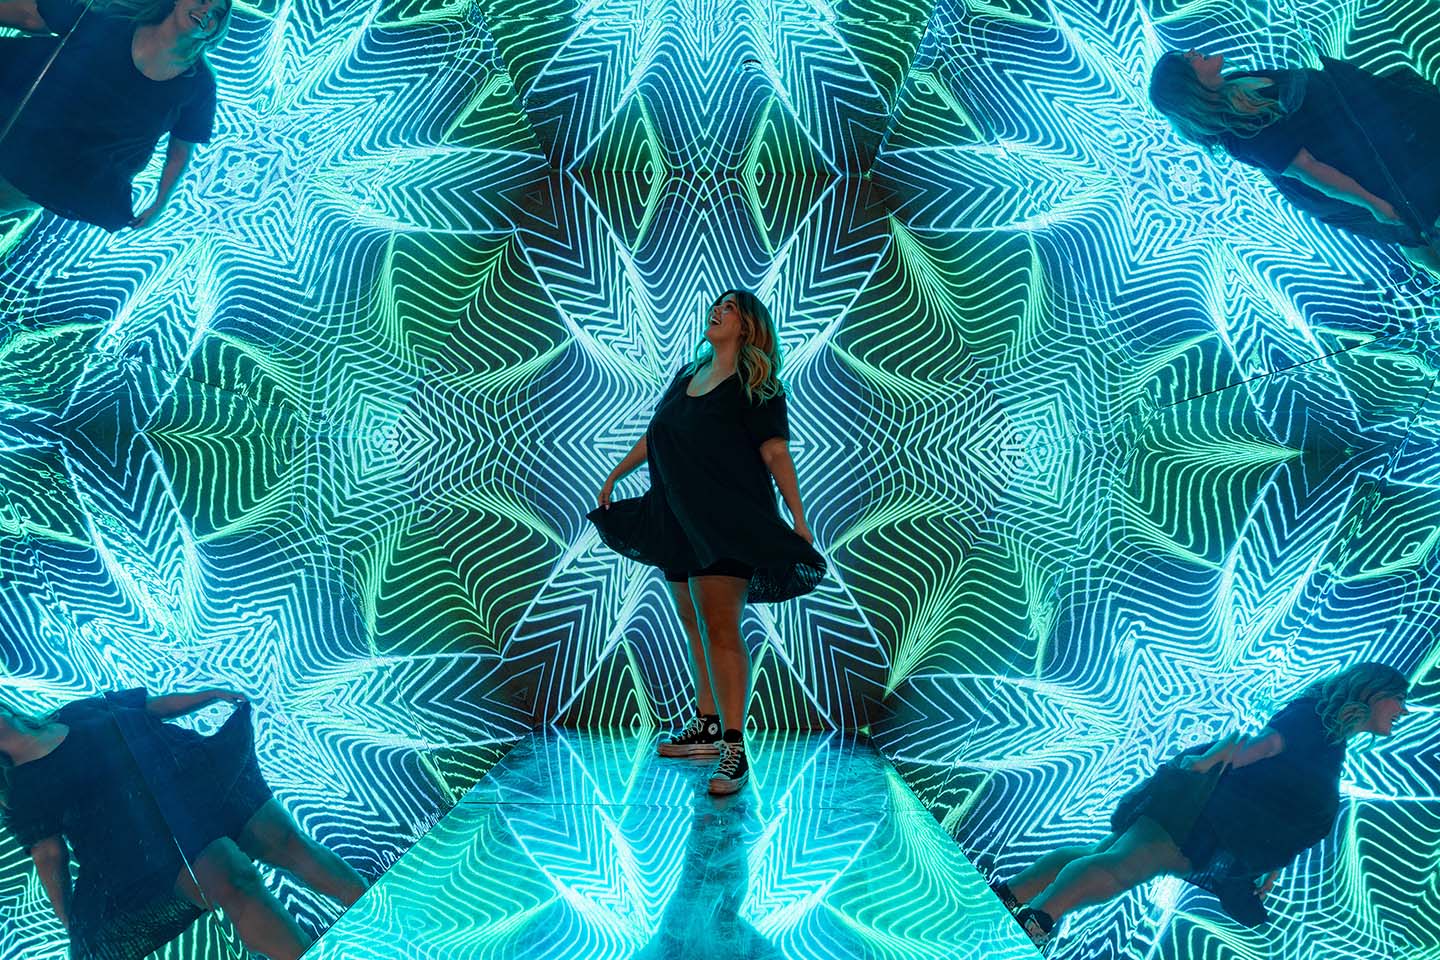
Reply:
x=189, y=71
x=698, y=396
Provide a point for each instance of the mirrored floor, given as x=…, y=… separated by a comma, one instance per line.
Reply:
x=583, y=844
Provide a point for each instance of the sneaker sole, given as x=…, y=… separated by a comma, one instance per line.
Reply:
x=722, y=787
x=688, y=750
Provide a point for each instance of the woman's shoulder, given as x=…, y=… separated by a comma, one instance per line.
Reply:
x=1299, y=723
x=775, y=394
x=204, y=77
x=102, y=704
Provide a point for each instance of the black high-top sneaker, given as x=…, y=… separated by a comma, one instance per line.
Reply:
x=733, y=769
x=1002, y=890
x=1038, y=924
x=697, y=739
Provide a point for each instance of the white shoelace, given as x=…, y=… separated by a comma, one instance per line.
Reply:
x=691, y=728
x=730, y=756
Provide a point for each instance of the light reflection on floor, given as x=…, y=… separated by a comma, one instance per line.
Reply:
x=587, y=845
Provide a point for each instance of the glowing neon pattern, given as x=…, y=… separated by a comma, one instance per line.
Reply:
x=1108, y=448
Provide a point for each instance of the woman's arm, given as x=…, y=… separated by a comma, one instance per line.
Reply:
x=177, y=158
x=179, y=704
x=1237, y=751
x=776, y=454
x=52, y=863
x=633, y=459
x=22, y=15
x=1333, y=183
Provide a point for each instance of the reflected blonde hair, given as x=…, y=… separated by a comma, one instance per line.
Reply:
x=1345, y=699
x=1203, y=116
x=153, y=11
x=760, y=354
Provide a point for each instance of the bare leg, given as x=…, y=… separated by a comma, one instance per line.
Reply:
x=720, y=600
x=1033, y=879
x=272, y=837
x=699, y=665
x=225, y=877
x=1142, y=853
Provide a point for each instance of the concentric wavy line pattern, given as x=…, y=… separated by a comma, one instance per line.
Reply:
x=210, y=431
x=1107, y=447
x=585, y=844
x=329, y=435
x=1222, y=414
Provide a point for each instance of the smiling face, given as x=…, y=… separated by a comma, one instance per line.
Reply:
x=724, y=324
x=1207, y=69
x=200, y=19
x=1383, y=713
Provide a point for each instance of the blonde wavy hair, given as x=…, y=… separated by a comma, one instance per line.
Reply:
x=1344, y=700
x=760, y=355
x=1203, y=116
x=153, y=11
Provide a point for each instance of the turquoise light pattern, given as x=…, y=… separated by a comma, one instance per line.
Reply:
x=1109, y=449
x=585, y=844
x=1226, y=413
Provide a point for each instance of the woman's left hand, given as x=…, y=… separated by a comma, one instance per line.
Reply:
x=229, y=696
x=1263, y=889
x=804, y=531
x=148, y=216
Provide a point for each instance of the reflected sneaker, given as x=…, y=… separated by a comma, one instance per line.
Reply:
x=1002, y=891
x=699, y=738
x=1038, y=925
x=733, y=769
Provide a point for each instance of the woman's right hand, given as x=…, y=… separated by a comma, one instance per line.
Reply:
x=1218, y=754
x=606, y=491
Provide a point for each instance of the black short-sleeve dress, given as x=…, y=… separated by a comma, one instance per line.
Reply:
x=92, y=119
x=711, y=497
x=1381, y=131
x=136, y=799
x=1256, y=818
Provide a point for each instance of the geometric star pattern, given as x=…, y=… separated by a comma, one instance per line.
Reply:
x=1109, y=449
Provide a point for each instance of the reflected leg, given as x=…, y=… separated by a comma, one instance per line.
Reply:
x=720, y=600
x=272, y=837
x=223, y=876
x=1042, y=873
x=1141, y=854
x=699, y=665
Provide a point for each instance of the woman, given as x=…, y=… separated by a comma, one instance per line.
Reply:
x=1226, y=816
x=82, y=114
x=709, y=520
x=1355, y=150
x=163, y=822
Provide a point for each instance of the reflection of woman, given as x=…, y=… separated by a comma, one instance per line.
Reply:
x=702, y=919
x=709, y=520
x=1226, y=816
x=1353, y=149
x=162, y=821
x=86, y=112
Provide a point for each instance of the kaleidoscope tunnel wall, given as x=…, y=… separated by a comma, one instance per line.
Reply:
x=1109, y=450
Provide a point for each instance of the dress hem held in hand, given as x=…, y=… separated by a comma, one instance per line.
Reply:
x=711, y=496
x=791, y=570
